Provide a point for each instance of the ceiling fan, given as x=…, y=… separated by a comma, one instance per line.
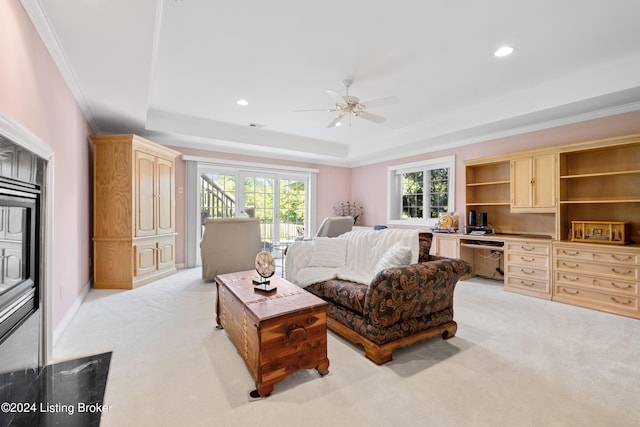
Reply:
x=347, y=106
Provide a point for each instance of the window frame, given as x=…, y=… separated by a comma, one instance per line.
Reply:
x=394, y=189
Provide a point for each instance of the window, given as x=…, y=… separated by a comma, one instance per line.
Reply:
x=418, y=192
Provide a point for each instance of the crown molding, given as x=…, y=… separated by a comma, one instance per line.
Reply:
x=34, y=10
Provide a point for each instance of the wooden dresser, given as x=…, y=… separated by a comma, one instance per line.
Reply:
x=598, y=276
x=276, y=333
x=133, y=211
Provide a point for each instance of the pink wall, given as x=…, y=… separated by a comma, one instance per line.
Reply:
x=334, y=186
x=369, y=182
x=34, y=95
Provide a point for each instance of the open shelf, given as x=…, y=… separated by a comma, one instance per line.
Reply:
x=601, y=174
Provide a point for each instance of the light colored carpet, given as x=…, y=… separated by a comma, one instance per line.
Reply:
x=515, y=361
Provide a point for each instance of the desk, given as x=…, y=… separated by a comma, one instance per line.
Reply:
x=485, y=254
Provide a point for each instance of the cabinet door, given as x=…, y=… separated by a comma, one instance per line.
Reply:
x=166, y=253
x=533, y=184
x=445, y=246
x=544, y=181
x=165, y=199
x=146, y=262
x=521, y=181
x=145, y=194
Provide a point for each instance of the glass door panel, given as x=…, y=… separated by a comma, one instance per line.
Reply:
x=292, y=208
x=258, y=199
x=217, y=197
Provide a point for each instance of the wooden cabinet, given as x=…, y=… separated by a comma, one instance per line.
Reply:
x=134, y=211
x=489, y=189
x=533, y=183
x=594, y=181
x=528, y=267
x=445, y=245
x=598, y=276
x=599, y=181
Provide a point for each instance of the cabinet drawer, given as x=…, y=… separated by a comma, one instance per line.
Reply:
x=610, y=257
x=617, y=271
x=566, y=278
x=626, y=305
x=527, y=272
x=527, y=284
x=528, y=260
x=533, y=248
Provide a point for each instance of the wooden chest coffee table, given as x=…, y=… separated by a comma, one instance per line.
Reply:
x=276, y=333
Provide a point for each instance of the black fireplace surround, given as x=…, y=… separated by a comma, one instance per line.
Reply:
x=19, y=250
x=21, y=277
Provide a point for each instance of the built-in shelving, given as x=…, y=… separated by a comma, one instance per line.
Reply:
x=600, y=184
x=488, y=190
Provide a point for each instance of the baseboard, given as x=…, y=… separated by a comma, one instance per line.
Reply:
x=180, y=266
x=66, y=320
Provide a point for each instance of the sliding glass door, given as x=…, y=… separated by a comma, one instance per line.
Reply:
x=279, y=200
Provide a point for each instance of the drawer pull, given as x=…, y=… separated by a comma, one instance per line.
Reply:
x=571, y=279
x=622, y=273
x=571, y=253
x=576, y=265
x=620, y=302
x=627, y=258
x=570, y=293
x=530, y=284
x=621, y=287
x=527, y=248
x=527, y=271
x=527, y=259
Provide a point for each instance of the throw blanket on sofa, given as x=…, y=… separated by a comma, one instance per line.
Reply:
x=354, y=256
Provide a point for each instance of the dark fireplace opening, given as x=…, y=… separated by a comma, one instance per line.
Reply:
x=19, y=250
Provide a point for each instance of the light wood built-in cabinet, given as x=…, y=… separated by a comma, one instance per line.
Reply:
x=134, y=211
x=533, y=197
x=445, y=245
x=533, y=183
x=488, y=190
x=528, y=267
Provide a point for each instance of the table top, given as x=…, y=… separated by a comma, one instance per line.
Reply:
x=287, y=298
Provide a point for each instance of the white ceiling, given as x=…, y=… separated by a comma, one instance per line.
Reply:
x=172, y=70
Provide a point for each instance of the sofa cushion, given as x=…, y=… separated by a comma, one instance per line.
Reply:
x=342, y=292
x=396, y=256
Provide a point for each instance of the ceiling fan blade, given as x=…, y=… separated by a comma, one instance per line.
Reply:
x=373, y=117
x=336, y=96
x=382, y=101
x=335, y=122
x=323, y=109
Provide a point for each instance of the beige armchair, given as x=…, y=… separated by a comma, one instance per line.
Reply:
x=229, y=245
x=333, y=226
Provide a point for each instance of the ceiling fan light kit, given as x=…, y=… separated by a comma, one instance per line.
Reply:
x=348, y=105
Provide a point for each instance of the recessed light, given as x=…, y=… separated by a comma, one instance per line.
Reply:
x=242, y=102
x=503, y=51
